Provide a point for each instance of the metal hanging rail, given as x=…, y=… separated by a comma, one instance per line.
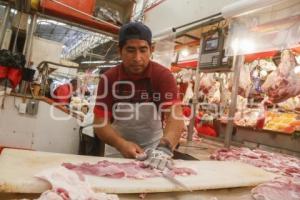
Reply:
x=206, y=21
x=197, y=21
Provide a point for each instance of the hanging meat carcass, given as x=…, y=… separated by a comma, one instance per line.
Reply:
x=210, y=87
x=283, y=83
x=245, y=82
x=188, y=93
x=206, y=83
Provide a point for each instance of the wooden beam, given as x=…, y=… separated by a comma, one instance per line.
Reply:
x=191, y=36
x=189, y=44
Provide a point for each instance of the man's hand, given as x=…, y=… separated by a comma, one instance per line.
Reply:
x=159, y=158
x=130, y=149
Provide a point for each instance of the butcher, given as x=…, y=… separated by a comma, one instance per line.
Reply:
x=133, y=98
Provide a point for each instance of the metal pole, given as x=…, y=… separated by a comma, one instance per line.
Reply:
x=3, y=26
x=197, y=21
x=238, y=63
x=17, y=34
x=30, y=39
x=28, y=29
x=195, y=98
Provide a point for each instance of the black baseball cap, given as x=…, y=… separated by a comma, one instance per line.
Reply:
x=134, y=30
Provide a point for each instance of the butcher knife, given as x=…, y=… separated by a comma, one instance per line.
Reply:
x=174, y=180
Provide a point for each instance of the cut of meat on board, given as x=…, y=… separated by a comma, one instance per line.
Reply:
x=67, y=185
x=134, y=170
x=279, y=189
x=272, y=162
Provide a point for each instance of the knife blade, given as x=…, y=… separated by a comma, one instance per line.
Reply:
x=175, y=181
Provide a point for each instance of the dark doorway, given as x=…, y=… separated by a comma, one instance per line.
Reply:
x=20, y=40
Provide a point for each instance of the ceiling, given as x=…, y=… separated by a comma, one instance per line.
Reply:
x=105, y=47
x=101, y=46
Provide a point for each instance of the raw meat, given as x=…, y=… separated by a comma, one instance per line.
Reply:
x=250, y=117
x=67, y=185
x=280, y=189
x=210, y=88
x=206, y=83
x=291, y=104
x=99, y=169
x=188, y=94
x=283, y=83
x=51, y=195
x=273, y=162
x=182, y=172
x=245, y=82
x=132, y=169
x=214, y=95
x=286, y=188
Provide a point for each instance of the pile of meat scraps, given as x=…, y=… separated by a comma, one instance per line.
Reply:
x=287, y=188
x=250, y=117
x=279, y=189
x=67, y=185
x=272, y=162
x=135, y=170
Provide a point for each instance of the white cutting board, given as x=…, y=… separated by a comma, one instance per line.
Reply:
x=18, y=167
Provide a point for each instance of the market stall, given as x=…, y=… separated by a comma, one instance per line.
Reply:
x=244, y=96
x=238, y=94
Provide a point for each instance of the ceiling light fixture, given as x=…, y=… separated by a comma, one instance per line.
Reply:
x=94, y=62
x=297, y=69
x=184, y=52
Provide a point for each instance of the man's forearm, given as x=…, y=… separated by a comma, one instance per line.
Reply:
x=107, y=134
x=174, y=125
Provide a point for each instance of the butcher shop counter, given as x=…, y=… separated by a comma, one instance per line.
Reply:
x=198, y=149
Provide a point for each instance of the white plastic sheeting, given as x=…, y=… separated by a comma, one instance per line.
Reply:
x=243, y=7
x=164, y=49
x=273, y=28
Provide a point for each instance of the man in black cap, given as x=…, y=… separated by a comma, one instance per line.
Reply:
x=133, y=95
